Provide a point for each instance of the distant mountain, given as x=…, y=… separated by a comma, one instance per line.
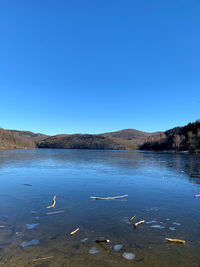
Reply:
x=124, y=139
x=9, y=140
x=129, y=138
x=179, y=138
x=80, y=141
x=34, y=137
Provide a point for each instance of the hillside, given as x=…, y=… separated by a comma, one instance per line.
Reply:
x=124, y=139
x=129, y=138
x=80, y=141
x=34, y=137
x=9, y=140
x=179, y=138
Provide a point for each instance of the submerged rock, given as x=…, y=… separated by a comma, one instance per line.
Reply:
x=128, y=255
x=118, y=247
x=30, y=243
x=31, y=226
x=93, y=251
x=84, y=240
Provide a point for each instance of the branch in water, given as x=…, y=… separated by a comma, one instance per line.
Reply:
x=108, y=198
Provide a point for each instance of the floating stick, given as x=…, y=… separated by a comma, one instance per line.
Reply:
x=46, y=258
x=130, y=220
x=108, y=198
x=74, y=232
x=102, y=240
x=55, y=212
x=178, y=241
x=138, y=223
x=196, y=196
x=102, y=246
x=54, y=203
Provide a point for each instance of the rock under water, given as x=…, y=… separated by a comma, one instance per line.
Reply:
x=128, y=255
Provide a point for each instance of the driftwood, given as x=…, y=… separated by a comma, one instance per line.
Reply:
x=196, y=196
x=74, y=232
x=108, y=198
x=54, y=203
x=102, y=240
x=130, y=220
x=55, y=212
x=178, y=241
x=104, y=247
x=138, y=223
x=135, y=224
x=46, y=258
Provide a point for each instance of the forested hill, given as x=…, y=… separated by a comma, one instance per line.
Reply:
x=9, y=140
x=34, y=137
x=179, y=138
x=124, y=139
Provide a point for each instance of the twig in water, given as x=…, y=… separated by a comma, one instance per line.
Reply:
x=178, y=241
x=130, y=220
x=102, y=246
x=108, y=198
x=102, y=240
x=138, y=223
x=55, y=212
x=46, y=258
x=54, y=203
x=74, y=232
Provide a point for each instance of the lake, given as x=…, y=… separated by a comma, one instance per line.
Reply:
x=160, y=189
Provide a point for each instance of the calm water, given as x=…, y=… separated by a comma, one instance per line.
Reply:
x=160, y=190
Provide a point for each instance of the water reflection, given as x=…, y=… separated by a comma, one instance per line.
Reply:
x=187, y=164
x=160, y=188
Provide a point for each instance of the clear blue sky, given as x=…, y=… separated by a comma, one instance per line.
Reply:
x=93, y=66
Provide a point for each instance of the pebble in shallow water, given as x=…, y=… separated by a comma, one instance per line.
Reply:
x=31, y=226
x=158, y=226
x=30, y=243
x=118, y=247
x=128, y=255
x=84, y=240
x=93, y=251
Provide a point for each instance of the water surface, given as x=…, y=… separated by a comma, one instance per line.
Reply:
x=160, y=188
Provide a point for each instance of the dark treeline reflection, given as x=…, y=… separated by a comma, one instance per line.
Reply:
x=107, y=159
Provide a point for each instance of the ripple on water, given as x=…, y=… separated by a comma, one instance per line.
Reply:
x=118, y=247
x=158, y=226
x=84, y=240
x=172, y=228
x=152, y=221
x=128, y=255
x=176, y=223
x=93, y=251
x=31, y=226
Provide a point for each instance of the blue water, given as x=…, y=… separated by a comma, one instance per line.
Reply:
x=160, y=189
